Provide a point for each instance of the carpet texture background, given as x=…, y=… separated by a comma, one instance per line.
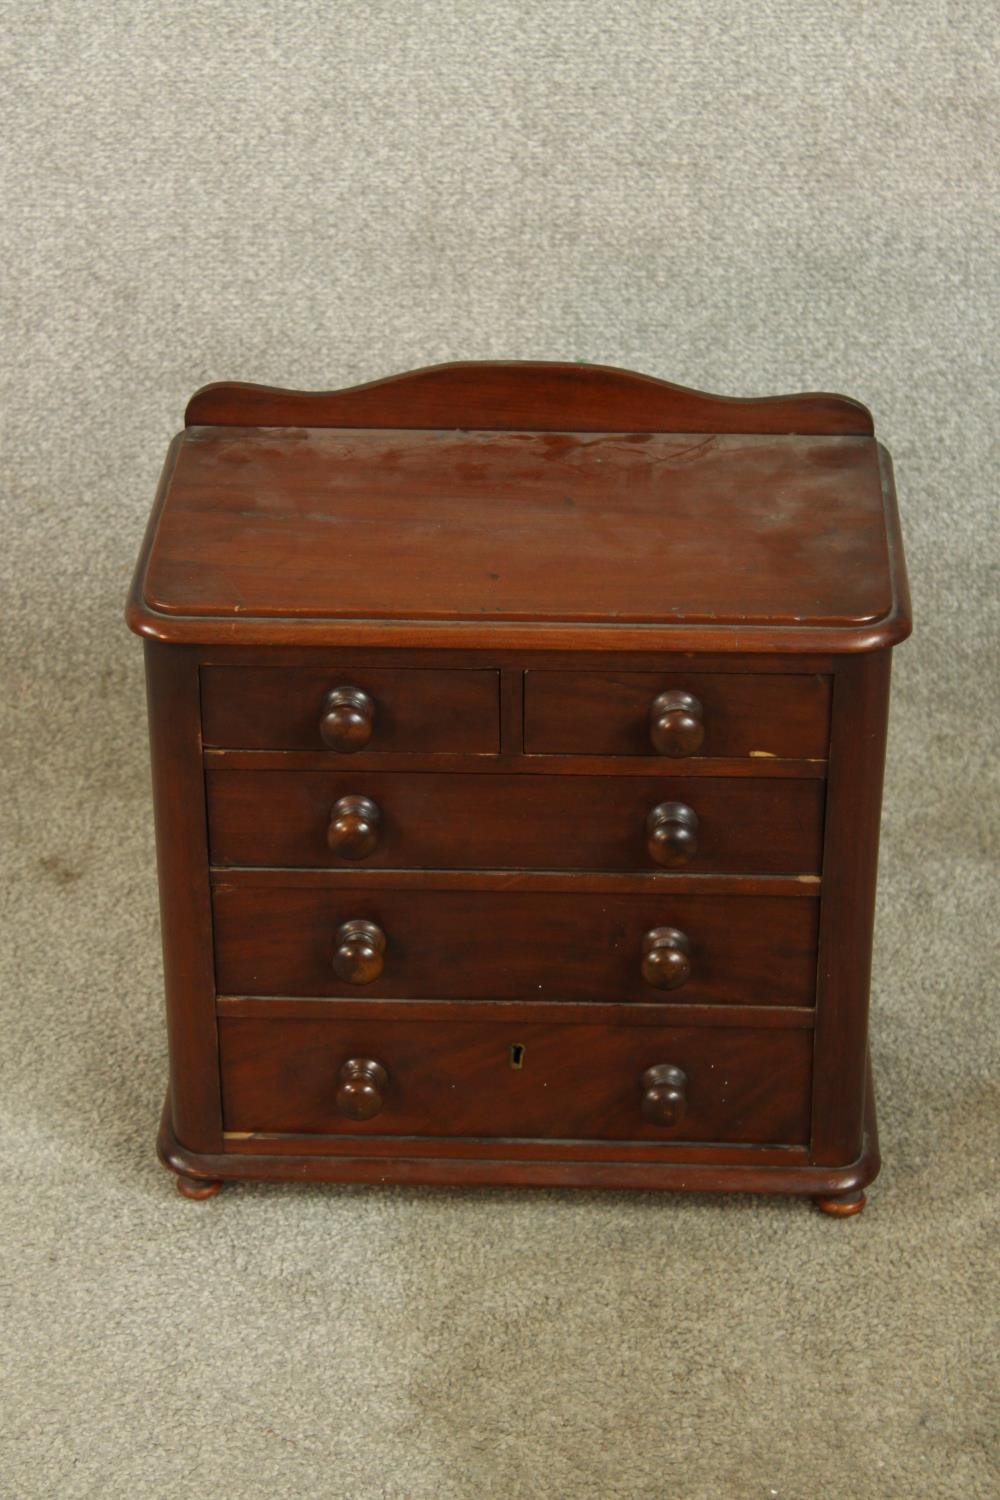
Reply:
x=748, y=198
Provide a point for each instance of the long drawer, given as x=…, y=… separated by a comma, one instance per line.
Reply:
x=444, y=821
x=274, y=939
x=466, y=1077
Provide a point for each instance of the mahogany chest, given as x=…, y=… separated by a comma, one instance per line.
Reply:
x=517, y=737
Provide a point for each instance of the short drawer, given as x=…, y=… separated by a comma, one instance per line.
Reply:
x=372, y=709
x=386, y=820
x=521, y=1079
x=739, y=714
x=278, y=939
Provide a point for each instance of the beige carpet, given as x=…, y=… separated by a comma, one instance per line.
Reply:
x=750, y=198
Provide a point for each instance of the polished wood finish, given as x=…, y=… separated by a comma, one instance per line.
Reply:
x=648, y=1011
x=676, y=724
x=578, y=1081
x=267, y=708
x=351, y=522
x=611, y=713
x=672, y=830
x=362, y=1083
x=517, y=739
x=538, y=765
x=391, y=820
x=850, y=870
x=663, y=1164
x=666, y=958
x=358, y=952
x=197, y=1188
x=664, y=1094
x=467, y=944
x=323, y=530
x=513, y=661
x=354, y=828
x=185, y=903
x=660, y=1149
x=842, y=1205
x=538, y=396
x=347, y=719
x=579, y=882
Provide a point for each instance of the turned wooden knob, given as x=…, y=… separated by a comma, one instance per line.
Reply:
x=360, y=1086
x=347, y=719
x=675, y=724
x=358, y=952
x=664, y=1094
x=672, y=834
x=354, y=827
x=666, y=958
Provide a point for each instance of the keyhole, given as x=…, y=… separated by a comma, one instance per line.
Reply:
x=517, y=1055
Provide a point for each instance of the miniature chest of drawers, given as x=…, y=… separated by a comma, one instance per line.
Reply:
x=517, y=737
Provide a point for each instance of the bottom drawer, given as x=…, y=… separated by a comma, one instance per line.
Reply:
x=526, y=1079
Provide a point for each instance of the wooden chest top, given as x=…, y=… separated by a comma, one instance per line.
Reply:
x=371, y=523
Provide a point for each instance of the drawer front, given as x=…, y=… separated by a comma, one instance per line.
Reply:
x=737, y=714
x=490, y=1079
x=274, y=939
x=441, y=821
x=408, y=709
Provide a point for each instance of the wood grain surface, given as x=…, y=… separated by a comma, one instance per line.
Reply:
x=457, y=1079
x=270, y=708
x=608, y=713
x=275, y=939
x=323, y=523
x=449, y=821
x=539, y=395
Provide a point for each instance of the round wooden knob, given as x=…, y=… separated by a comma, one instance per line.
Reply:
x=664, y=1094
x=347, y=719
x=358, y=952
x=361, y=1084
x=354, y=827
x=672, y=834
x=675, y=724
x=666, y=958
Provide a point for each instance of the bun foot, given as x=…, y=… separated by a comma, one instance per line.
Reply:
x=197, y=1187
x=842, y=1205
